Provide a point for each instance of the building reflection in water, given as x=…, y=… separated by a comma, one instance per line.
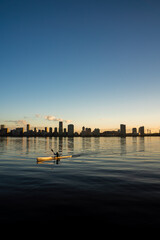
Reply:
x=134, y=144
x=60, y=145
x=141, y=144
x=71, y=145
x=123, y=145
x=27, y=144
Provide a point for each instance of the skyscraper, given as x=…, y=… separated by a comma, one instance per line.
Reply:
x=134, y=131
x=123, y=129
x=70, y=130
x=60, y=128
x=141, y=130
x=50, y=130
x=28, y=127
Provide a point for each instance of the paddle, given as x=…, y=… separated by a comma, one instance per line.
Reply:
x=57, y=154
x=52, y=151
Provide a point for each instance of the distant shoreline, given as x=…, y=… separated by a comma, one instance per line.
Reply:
x=101, y=136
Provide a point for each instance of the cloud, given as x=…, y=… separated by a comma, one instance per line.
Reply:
x=67, y=121
x=17, y=122
x=53, y=118
x=50, y=118
x=37, y=115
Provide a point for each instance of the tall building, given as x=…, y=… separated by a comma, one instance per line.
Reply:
x=50, y=130
x=83, y=128
x=141, y=130
x=123, y=129
x=70, y=130
x=60, y=128
x=19, y=131
x=28, y=127
x=134, y=131
x=55, y=130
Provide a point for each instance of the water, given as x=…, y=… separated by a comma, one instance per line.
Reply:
x=116, y=178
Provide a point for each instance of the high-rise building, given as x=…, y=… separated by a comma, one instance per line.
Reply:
x=134, y=131
x=28, y=127
x=70, y=130
x=46, y=129
x=141, y=130
x=123, y=129
x=19, y=131
x=83, y=128
x=50, y=130
x=60, y=128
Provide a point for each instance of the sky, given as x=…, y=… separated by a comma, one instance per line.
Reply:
x=92, y=63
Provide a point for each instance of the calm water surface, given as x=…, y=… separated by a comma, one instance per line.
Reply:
x=117, y=178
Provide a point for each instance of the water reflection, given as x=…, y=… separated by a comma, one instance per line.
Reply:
x=70, y=145
x=3, y=144
x=141, y=144
x=55, y=144
x=50, y=162
x=42, y=146
x=60, y=145
x=27, y=145
x=134, y=143
x=86, y=143
x=123, y=145
x=97, y=143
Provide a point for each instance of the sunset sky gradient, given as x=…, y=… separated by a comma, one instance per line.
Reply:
x=95, y=63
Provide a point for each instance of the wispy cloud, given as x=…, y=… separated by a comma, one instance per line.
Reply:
x=53, y=118
x=17, y=122
x=37, y=115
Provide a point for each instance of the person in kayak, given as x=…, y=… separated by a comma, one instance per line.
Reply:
x=56, y=154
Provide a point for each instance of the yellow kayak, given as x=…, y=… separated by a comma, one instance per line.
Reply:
x=52, y=158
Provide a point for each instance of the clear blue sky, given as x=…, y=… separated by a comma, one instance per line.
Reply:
x=94, y=62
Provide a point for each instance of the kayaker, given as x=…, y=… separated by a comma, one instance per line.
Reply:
x=56, y=154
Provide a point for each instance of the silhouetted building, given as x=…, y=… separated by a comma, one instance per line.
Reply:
x=2, y=126
x=28, y=127
x=46, y=129
x=55, y=130
x=4, y=131
x=70, y=130
x=64, y=132
x=134, y=131
x=123, y=129
x=60, y=128
x=141, y=130
x=96, y=132
x=86, y=132
x=50, y=130
x=110, y=133
x=83, y=128
x=19, y=131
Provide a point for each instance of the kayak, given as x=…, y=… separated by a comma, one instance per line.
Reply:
x=52, y=158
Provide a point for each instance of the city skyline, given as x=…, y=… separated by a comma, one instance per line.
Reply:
x=53, y=122
x=69, y=131
x=86, y=62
